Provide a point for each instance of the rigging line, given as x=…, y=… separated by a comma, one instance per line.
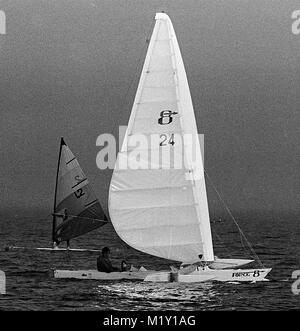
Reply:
x=233, y=218
x=222, y=242
x=243, y=246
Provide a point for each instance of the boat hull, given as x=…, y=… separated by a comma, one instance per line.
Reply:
x=97, y=275
x=199, y=275
x=205, y=274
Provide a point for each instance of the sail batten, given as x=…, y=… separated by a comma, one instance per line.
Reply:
x=156, y=205
x=77, y=210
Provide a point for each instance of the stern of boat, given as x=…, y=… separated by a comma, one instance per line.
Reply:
x=204, y=274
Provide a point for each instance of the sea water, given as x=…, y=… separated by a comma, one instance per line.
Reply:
x=30, y=284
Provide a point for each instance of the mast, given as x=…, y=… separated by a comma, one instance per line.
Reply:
x=62, y=142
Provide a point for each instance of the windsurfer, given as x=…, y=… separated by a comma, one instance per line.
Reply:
x=64, y=216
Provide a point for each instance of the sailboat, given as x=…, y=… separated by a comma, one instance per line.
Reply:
x=156, y=207
x=76, y=209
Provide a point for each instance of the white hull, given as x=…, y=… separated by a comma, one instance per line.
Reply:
x=206, y=274
x=97, y=275
x=197, y=276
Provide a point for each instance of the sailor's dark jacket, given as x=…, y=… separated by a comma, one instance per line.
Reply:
x=104, y=265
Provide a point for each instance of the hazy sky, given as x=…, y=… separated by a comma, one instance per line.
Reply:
x=71, y=68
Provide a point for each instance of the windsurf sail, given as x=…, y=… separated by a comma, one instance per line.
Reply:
x=77, y=210
x=159, y=207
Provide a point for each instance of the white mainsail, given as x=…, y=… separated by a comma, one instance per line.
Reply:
x=157, y=209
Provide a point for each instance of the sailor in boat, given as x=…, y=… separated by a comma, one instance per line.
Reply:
x=188, y=268
x=104, y=264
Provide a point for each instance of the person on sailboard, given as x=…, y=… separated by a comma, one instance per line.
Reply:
x=64, y=216
x=103, y=262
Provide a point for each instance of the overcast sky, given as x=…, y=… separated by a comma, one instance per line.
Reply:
x=71, y=68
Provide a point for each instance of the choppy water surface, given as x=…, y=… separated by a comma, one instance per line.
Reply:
x=31, y=286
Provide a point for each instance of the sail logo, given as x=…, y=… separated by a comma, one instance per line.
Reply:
x=2, y=282
x=296, y=24
x=2, y=23
x=296, y=284
x=166, y=117
x=153, y=151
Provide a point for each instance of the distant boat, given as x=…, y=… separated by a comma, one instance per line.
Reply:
x=158, y=210
x=76, y=210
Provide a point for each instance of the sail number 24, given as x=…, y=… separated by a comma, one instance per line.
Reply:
x=166, y=139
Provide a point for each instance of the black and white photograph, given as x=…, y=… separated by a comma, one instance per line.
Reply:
x=149, y=158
